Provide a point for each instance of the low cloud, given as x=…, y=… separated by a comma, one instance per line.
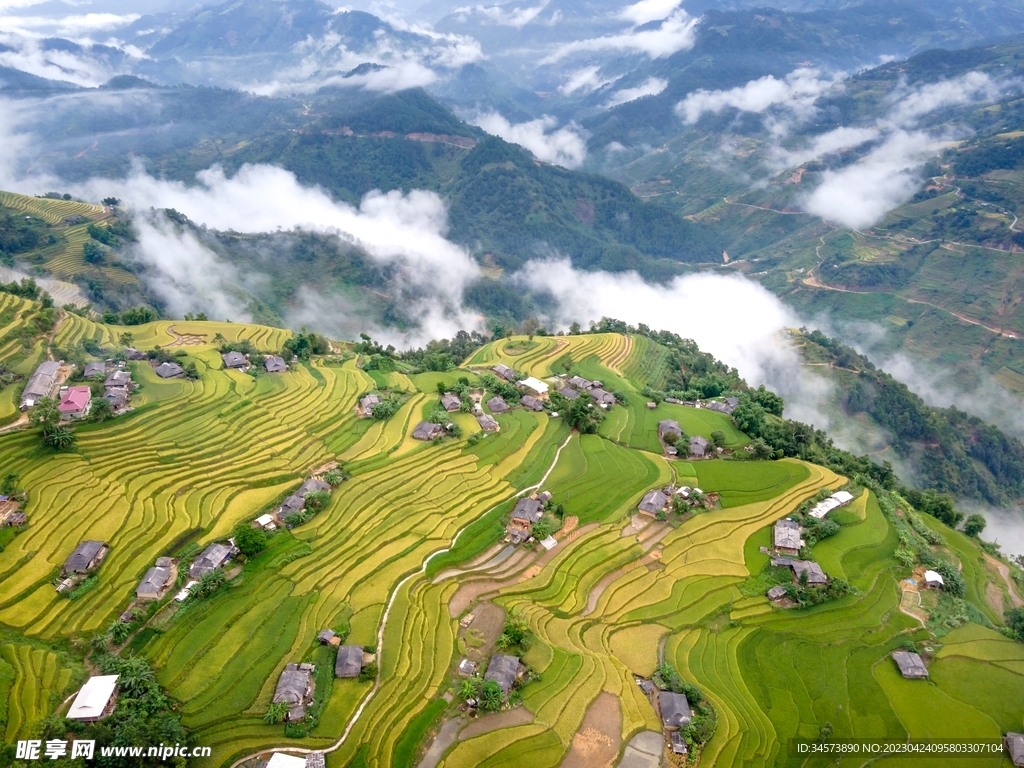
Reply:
x=676, y=33
x=584, y=80
x=502, y=15
x=405, y=231
x=795, y=93
x=648, y=10
x=749, y=341
x=80, y=65
x=652, y=86
x=911, y=104
x=566, y=146
x=829, y=143
x=73, y=27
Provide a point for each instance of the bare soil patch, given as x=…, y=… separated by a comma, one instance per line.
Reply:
x=598, y=740
x=495, y=720
x=488, y=621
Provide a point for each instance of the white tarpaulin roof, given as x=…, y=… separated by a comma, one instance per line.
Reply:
x=92, y=699
x=281, y=760
x=536, y=385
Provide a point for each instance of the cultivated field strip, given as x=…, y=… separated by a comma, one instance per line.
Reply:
x=49, y=210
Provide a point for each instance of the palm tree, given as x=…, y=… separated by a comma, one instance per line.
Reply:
x=135, y=676
x=275, y=713
x=470, y=687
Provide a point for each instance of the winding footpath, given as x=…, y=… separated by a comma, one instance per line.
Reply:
x=380, y=633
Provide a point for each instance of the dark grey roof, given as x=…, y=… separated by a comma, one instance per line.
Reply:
x=118, y=380
x=349, y=662
x=569, y=393
x=601, y=397
x=291, y=504
x=497, y=405
x=369, y=401
x=41, y=383
x=275, y=364
x=95, y=369
x=312, y=484
x=130, y=353
x=777, y=592
x=487, y=422
x=325, y=636
x=732, y=401
x=164, y=562
x=653, y=502
x=169, y=370
x=532, y=403
x=720, y=407
x=234, y=359
x=668, y=425
x=910, y=664
x=427, y=430
x=697, y=445
x=528, y=510
x=116, y=397
x=503, y=670
x=156, y=579
x=578, y=382
x=292, y=685
x=450, y=402
x=83, y=555
x=213, y=557
x=504, y=372
x=1015, y=747
x=678, y=743
x=787, y=534
x=675, y=709
x=814, y=573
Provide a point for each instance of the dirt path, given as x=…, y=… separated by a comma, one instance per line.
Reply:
x=1011, y=588
x=495, y=720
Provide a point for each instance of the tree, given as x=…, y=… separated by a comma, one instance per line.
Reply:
x=491, y=697
x=10, y=483
x=671, y=438
x=45, y=414
x=718, y=438
x=92, y=252
x=250, y=541
x=470, y=688
x=100, y=410
x=119, y=632
x=275, y=713
x=60, y=438
x=768, y=400
x=317, y=500
x=111, y=201
x=126, y=339
x=974, y=525
x=1015, y=621
x=136, y=677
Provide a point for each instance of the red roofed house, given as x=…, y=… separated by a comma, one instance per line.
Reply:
x=75, y=403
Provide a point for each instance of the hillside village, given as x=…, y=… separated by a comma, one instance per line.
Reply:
x=383, y=532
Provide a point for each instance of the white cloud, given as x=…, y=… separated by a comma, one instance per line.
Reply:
x=828, y=143
x=405, y=231
x=586, y=80
x=566, y=146
x=648, y=10
x=504, y=16
x=747, y=339
x=72, y=27
x=82, y=68
x=652, y=86
x=676, y=33
x=911, y=104
x=796, y=92
x=863, y=192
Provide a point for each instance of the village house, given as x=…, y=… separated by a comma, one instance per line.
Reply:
x=504, y=670
x=504, y=372
x=653, y=502
x=497, y=405
x=579, y=383
x=118, y=380
x=1015, y=748
x=87, y=557
x=117, y=398
x=698, y=446
x=536, y=386
x=835, y=501
x=265, y=522
x=675, y=710
x=450, y=402
x=667, y=426
x=275, y=364
x=282, y=760
x=235, y=359
x=157, y=581
x=526, y=513
x=366, y=405
x=349, y=662
x=786, y=537
x=95, y=370
x=777, y=592
x=677, y=742
x=487, y=423
x=602, y=398
x=328, y=637
x=727, y=406
x=297, y=500
x=169, y=371
x=130, y=353
x=96, y=699
x=212, y=558
x=40, y=385
x=468, y=668
x=934, y=579
x=427, y=430
x=75, y=403
x=568, y=393
x=815, y=576
x=295, y=688
x=910, y=664
x=531, y=403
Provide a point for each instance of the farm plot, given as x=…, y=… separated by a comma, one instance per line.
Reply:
x=33, y=680
x=49, y=210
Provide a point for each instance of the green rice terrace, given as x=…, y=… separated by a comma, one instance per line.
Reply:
x=406, y=556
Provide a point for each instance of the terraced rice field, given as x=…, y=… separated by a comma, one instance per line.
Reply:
x=50, y=211
x=612, y=598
